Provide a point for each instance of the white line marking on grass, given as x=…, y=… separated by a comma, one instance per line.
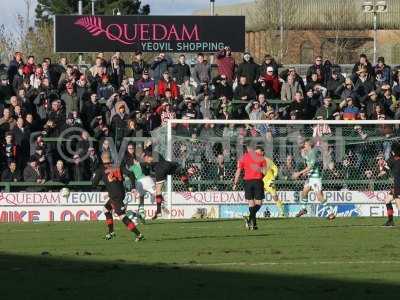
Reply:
x=361, y=262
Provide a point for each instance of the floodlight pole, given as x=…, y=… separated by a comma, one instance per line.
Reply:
x=93, y=12
x=375, y=34
x=212, y=6
x=80, y=12
x=281, y=28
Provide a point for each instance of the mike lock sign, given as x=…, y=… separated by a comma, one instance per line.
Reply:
x=148, y=33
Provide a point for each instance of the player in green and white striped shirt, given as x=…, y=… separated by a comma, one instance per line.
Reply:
x=313, y=172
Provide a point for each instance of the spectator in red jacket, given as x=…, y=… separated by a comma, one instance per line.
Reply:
x=226, y=63
x=167, y=83
x=30, y=66
x=273, y=83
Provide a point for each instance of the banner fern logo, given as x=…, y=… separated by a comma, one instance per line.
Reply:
x=94, y=26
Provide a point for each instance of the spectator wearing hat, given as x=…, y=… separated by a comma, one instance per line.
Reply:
x=249, y=69
x=119, y=122
x=60, y=173
x=272, y=84
x=226, y=64
x=202, y=70
x=146, y=83
x=181, y=70
x=289, y=89
x=318, y=69
x=92, y=162
x=370, y=103
x=11, y=173
x=139, y=65
x=222, y=87
x=167, y=83
x=269, y=61
x=148, y=102
x=187, y=110
x=160, y=64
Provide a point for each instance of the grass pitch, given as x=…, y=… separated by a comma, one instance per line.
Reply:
x=285, y=259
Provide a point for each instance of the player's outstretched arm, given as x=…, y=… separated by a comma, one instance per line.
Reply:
x=236, y=179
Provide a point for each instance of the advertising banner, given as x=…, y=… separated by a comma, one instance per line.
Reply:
x=88, y=206
x=149, y=33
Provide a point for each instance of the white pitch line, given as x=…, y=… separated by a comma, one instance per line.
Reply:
x=385, y=262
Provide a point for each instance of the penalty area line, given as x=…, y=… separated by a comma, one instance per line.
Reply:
x=335, y=262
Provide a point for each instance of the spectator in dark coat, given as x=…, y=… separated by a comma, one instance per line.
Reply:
x=226, y=64
x=22, y=136
x=383, y=73
x=222, y=87
x=139, y=65
x=181, y=70
x=116, y=71
x=14, y=65
x=160, y=64
x=18, y=80
x=333, y=83
x=316, y=68
x=363, y=85
x=244, y=91
x=105, y=89
x=248, y=68
x=363, y=64
x=202, y=70
x=92, y=162
x=60, y=173
x=78, y=170
x=32, y=174
x=12, y=173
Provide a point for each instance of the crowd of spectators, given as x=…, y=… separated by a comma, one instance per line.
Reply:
x=45, y=98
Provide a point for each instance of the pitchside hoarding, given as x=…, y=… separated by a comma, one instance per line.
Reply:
x=148, y=33
x=88, y=206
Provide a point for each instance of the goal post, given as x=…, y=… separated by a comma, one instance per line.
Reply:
x=352, y=155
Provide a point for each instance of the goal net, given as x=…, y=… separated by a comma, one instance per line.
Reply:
x=352, y=157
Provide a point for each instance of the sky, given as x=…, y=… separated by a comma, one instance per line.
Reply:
x=10, y=8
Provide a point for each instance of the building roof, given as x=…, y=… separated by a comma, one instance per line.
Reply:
x=310, y=14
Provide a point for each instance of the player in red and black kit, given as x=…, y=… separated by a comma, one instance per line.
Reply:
x=253, y=165
x=394, y=195
x=113, y=180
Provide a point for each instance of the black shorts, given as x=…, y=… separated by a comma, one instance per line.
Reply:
x=164, y=168
x=396, y=191
x=118, y=207
x=254, y=189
